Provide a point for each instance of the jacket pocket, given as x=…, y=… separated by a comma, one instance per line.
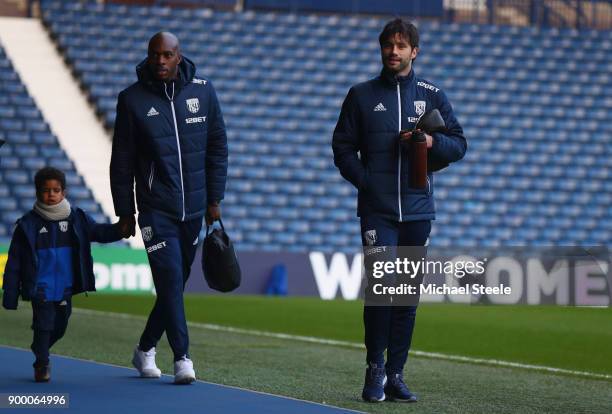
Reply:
x=151, y=175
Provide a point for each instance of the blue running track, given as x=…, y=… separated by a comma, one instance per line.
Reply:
x=96, y=388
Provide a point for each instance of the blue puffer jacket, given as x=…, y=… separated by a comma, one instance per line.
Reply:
x=21, y=271
x=171, y=139
x=367, y=151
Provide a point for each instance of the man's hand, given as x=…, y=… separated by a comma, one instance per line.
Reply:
x=405, y=137
x=429, y=140
x=213, y=213
x=127, y=226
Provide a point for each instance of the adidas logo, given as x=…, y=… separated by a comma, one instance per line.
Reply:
x=152, y=112
x=380, y=107
x=43, y=230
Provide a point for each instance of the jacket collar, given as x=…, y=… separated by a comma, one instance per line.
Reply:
x=393, y=80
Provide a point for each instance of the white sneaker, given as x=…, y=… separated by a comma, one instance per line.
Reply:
x=144, y=362
x=183, y=371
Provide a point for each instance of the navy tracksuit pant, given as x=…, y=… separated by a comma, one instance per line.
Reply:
x=390, y=327
x=171, y=246
x=49, y=323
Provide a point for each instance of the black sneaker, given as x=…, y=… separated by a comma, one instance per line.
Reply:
x=374, y=387
x=396, y=389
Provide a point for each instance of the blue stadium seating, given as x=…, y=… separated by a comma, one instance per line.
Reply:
x=536, y=105
x=30, y=145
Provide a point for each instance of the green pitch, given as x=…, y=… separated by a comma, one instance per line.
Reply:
x=571, y=338
x=562, y=337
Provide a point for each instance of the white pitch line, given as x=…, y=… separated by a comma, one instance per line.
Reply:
x=333, y=342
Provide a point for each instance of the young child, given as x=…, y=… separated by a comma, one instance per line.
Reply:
x=50, y=260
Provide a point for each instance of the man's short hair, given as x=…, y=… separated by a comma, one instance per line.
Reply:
x=405, y=29
x=49, y=173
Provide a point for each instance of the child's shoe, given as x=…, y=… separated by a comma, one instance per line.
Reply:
x=42, y=373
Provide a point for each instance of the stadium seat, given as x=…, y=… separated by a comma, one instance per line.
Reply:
x=30, y=146
x=538, y=138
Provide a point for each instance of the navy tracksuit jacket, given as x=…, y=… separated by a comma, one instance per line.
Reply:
x=367, y=151
x=368, y=154
x=170, y=139
x=23, y=268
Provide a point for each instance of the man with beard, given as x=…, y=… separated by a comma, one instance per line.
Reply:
x=368, y=153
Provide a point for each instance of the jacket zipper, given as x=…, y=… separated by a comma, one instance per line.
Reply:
x=178, y=144
x=399, y=154
x=151, y=175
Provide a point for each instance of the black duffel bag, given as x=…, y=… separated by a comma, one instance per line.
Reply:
x=219, y=261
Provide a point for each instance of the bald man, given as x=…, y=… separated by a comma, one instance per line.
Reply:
x=170, y=140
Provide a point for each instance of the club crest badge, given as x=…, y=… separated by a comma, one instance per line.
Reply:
x=147, y=233
x=63, y=225
x=419, y=107
x=193, y=105
x=370, y=237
